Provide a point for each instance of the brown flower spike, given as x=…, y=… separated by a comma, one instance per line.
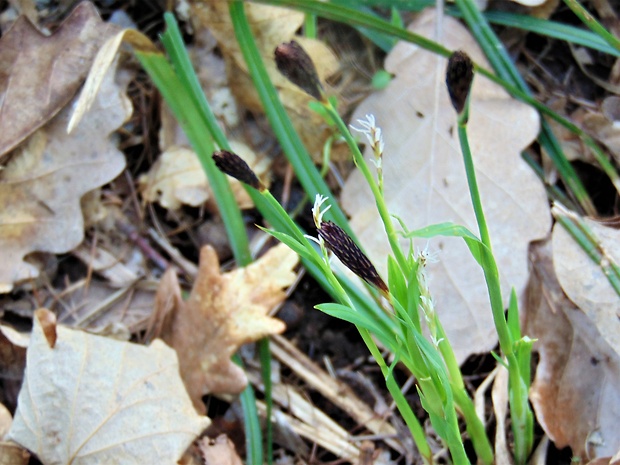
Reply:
x=459, y=76
x=233, y=165
x=297, y=66
x=347, y=251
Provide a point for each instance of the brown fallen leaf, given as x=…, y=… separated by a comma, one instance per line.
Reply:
x=219, y=451
x=93, y=400
x=425, y=181
x=576, y=390
x=39, y=75
x=12, y=454
x=585, y=283
x=41, y=185
x=223, y=312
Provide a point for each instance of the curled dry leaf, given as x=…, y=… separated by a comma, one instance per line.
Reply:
x=223, y=312
x=425, y=181
x=91, y=400
x=575, y=394
x=39, y=75
x=177, y=178
x=41, y=185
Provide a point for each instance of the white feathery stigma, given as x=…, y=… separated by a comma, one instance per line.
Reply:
x=372, y=133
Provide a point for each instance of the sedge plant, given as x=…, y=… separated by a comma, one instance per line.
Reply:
x=410, y=304
x=409, y=301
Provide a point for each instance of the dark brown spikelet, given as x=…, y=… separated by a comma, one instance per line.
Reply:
x=297, y=66
x=350, y=254
x=233, y=165
x=459, y=75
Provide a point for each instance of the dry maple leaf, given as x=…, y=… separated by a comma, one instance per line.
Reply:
x=223, y=312
x=41, y=185
x=39, y=74
x=576, y=390
x=87, y=399
x=425, y=181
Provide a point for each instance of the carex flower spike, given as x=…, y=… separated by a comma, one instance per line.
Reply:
x=347, y=251
x=459, y=76
x=297, y=66
x=233, y=165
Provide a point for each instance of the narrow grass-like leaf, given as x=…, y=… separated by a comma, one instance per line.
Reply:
x=551, y=29
x=186, y=105
x=596, y=27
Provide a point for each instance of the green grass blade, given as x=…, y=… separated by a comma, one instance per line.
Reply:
x=253, y=435
x=186, y=108
x=265, y=365
x=551, y=29
x=593, y=24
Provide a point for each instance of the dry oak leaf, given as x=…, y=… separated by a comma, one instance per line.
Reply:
x=585, y=283
x=223, y=312
x=41, y=185
x=576, y=389
x=270, y=27
x=88, y=399
x=425, y=181
x=39, y=75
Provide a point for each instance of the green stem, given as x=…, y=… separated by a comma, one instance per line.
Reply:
x=253, y=436
x=417, y=432
x=519, y=406
x=475, y=426
x=265, y=365
x=361, y=164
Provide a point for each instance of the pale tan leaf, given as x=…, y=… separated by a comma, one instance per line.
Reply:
x=41, y=186
x=103, y=62
x=39, y=75
x=585, y=283
x=425, y=180
x=91, y=400
x=575, y=394
x=223, y=312
x=5, y=420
